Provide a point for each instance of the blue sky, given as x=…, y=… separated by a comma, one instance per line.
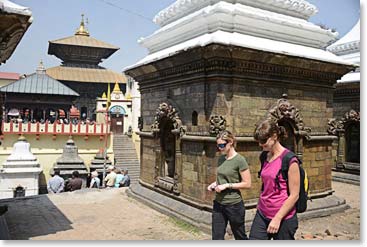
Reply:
x=122, y=25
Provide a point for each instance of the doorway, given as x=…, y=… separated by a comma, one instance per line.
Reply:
x=117, y=124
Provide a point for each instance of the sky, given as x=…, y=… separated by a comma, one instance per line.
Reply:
x=121, y=23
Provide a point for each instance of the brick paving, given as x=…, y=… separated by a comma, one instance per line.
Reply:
x=111, y=215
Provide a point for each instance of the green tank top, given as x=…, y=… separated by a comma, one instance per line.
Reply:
x=228, y=171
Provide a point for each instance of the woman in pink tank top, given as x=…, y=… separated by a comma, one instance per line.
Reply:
x=276, y=216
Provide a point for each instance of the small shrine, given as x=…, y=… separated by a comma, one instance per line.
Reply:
x=70, y=161
x=263, y=59
x=19, y=175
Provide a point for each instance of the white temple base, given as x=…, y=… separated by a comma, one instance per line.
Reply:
x=11, y=178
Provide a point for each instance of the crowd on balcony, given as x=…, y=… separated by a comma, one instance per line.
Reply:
x=51, y=116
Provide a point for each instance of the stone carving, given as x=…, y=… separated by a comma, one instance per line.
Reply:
x=335, y=125
x=217, y=124
x=351, y=116
x=240, y=66
x=167, y=111
x=285, y=110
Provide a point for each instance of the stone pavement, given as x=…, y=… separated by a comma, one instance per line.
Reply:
x=109, y=214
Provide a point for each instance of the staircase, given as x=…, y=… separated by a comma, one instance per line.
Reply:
x=126, y=157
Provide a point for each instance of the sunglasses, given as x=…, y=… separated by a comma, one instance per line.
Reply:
x=263, y=141
x=222, y=145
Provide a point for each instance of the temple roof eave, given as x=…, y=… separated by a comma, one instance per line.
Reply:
x=247, y=41
x=38, y=84
x=84, y=41
x=91, y=75
x=296, y=8
x=12, y=29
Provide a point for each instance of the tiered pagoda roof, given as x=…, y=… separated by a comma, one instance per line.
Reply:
x=81, y=55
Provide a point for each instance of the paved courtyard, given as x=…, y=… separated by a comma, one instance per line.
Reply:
x=111, y=215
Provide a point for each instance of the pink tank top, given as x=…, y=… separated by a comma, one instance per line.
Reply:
x=272, y=199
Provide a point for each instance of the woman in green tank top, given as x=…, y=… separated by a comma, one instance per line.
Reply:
x=233, y=174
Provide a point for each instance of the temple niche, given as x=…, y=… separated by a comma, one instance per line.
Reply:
x=195, y=83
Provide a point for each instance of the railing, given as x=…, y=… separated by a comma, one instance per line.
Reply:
x=55, y=128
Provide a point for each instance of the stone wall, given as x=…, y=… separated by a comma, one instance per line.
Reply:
x=242, y=86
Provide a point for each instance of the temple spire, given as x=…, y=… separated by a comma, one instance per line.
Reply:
x=82, y=30
x=116, y=88
x=40, y=68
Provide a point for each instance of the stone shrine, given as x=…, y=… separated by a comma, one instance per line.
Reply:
x=346, y=120
x=70, y=161
x=216, y=65
x=19, y=175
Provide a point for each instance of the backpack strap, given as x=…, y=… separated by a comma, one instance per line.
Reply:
x=285, y=167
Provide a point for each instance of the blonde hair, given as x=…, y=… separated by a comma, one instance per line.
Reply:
x=226, y=135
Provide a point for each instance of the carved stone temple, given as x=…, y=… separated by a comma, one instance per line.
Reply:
x=70, y=161
x=19, y=175
x=263, y=59
x=345, y=123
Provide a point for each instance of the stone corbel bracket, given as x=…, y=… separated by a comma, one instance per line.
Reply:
x=217, y=124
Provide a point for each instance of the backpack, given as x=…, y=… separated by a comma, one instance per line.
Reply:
x=301, y=204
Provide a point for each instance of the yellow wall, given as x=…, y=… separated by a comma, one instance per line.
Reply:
x=47, y=150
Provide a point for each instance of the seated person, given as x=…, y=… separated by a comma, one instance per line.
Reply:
x=75, y=183
x=126, y=180
x=119, y=177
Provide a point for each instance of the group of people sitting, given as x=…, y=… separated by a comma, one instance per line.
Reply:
x=116, y=178
x=57, y=184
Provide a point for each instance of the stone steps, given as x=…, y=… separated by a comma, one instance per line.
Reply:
x=126, y=156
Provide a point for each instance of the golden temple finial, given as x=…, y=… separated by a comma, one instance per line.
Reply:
x=104, y=96
x=116, y=88
x=82, y=30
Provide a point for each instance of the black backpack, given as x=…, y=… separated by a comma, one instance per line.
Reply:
x=301, y=204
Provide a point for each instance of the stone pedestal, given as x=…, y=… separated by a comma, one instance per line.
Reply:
x=70, y=161
x=19, y=175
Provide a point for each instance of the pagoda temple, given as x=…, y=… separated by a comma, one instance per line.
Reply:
x=227, y=65
x=80, y=70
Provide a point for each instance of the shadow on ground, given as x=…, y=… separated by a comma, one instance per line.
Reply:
x=33, y=216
